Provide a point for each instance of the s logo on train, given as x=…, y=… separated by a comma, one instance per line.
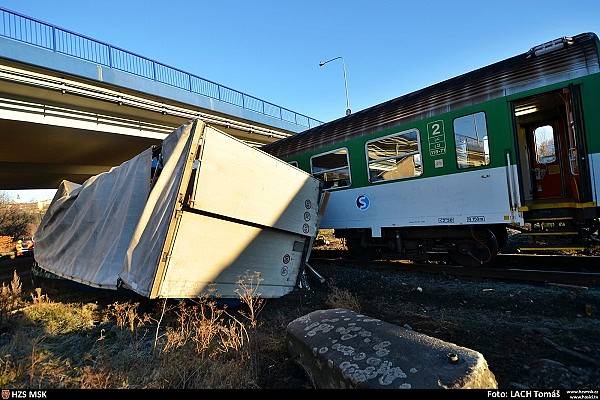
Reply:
x=363, y=202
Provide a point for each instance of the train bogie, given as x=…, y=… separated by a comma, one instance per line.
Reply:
x=467, y=245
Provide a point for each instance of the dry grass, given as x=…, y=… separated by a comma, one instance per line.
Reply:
x=10, y=295
x=37, y=297
x=95, y=379
x=126, y=315
x=47, y=370
x=199, y=343
x=60, y=318
x=342, y=298
x=8, y=371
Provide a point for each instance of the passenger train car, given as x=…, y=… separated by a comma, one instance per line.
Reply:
x=446, y=169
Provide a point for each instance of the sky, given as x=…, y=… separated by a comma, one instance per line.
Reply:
x=272, y=49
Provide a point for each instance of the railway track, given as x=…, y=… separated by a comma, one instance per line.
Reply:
x=560, y=270
x=553, y=269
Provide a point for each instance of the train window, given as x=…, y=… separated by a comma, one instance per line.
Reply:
x=472, y=148
x=397, y=156
x=332, y=167
x=294, y=163
x=544, y=144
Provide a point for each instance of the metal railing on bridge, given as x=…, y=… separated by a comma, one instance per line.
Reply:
x=42, y=34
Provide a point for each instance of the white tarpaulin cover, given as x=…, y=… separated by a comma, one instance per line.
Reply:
x=90, y=232
x=218, y=208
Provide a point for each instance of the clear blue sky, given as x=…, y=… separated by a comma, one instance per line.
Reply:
x=271, y=49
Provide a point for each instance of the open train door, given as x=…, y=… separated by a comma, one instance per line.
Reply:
x=553, y=164
x=554, y=171
x=577, y=152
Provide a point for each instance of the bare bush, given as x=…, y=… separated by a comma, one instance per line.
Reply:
x=38, y=297
x=232, y=335
x=198, y=323
x=15, y=221
x=249, y=295
x=15, y=285
x=342, y=298
x=211, y=328
x=126, y=315
x=10, y=295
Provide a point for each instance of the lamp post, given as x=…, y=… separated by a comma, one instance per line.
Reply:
x=322, y=63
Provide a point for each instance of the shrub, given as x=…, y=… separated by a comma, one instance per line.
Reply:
x=342, y=298
x=126, y=315
x=10, y=295
x=249, y=294
x=14, y=221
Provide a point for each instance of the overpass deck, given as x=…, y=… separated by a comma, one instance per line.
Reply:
x=31, y=41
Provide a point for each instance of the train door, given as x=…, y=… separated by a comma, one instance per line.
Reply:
x=544, y=146
x=550, y=143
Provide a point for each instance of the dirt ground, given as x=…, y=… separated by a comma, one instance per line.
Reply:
x=533, y=336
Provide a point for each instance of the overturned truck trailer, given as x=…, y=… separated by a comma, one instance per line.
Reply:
x=201, y=209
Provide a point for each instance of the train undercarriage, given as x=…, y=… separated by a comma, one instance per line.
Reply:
x=464, y=245
x=473, y=245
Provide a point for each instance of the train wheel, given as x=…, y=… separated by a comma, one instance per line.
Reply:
x=478, y=250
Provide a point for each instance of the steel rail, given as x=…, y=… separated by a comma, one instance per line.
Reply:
x=525, y=273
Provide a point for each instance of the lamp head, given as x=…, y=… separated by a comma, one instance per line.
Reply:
x=321, y=64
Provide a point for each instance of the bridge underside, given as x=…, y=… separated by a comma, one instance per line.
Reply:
x=37, y=156
x=54, y=128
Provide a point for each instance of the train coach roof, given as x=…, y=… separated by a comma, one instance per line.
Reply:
x=538, y=67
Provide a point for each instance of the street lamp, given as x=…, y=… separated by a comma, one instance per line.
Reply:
x=322, y=63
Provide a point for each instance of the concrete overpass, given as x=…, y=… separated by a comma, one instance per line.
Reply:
x=72, y=106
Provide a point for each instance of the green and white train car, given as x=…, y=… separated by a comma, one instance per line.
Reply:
x=446, y=169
